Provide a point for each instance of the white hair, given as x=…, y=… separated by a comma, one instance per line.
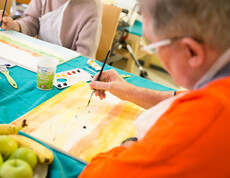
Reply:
x=207, y=21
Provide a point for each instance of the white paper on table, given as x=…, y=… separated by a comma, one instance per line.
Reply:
x=21, y=48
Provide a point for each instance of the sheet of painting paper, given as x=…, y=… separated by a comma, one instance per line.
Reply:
x=23, y=50
x=65, y=122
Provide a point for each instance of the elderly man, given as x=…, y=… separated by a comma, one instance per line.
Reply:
x=190, y=138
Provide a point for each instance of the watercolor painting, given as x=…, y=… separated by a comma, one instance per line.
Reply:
x=24, y=50
x=65, y=122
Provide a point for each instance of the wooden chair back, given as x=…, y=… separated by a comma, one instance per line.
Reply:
x=23, y=1
x=9, y=3
x=110, y=19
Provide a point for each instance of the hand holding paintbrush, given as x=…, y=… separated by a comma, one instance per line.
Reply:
x=98, y=78
x=8, y=23
x=3, y=13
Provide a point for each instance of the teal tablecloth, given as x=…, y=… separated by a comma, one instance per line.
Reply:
x=16, y=102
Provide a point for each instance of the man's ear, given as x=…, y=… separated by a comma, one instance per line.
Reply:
x=195, y=52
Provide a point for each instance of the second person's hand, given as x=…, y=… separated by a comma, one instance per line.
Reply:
x=8, y=23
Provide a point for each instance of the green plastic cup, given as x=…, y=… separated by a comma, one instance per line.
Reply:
x=46, y=69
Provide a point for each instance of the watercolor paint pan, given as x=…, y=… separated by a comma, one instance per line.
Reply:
x=70, y=77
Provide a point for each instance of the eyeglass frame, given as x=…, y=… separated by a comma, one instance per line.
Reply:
x=158, y=44
x=153, y=46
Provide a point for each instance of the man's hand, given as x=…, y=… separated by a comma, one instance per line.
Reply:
x=111, y=81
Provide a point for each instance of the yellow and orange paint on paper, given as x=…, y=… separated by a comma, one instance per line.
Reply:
x=65, y=122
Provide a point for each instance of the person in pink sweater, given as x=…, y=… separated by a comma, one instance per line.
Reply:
x=74, y=24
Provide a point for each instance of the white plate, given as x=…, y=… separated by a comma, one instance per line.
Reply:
x=40, y=171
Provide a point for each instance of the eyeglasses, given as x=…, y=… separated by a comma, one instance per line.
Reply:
x=152, y=47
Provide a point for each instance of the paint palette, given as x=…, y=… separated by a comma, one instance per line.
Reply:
x=70, y=77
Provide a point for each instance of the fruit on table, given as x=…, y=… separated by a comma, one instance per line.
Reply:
x=25, y=154
x=45, y=156
x=7, y=145
x=16, y=168
x=6, y=129
x=19, y=156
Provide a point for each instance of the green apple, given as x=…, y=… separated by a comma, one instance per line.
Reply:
x=16, y=168
x=7, y=145
x=25, y=154
x=1, y=159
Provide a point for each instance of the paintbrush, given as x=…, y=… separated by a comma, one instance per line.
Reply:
x=3, y=13
x=98, y=78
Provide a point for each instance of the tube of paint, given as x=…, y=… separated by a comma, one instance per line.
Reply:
x=93, y=64
x=46, y=68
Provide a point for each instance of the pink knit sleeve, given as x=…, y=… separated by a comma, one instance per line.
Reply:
x=30, y=22
x=89, y=37
x=89, y=27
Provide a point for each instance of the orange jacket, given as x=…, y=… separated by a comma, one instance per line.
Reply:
x=192, y=139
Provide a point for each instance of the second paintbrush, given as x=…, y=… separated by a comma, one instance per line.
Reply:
x=99, y=76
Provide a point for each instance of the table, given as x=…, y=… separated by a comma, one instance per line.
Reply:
x=134, y=39
x=16, y=102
